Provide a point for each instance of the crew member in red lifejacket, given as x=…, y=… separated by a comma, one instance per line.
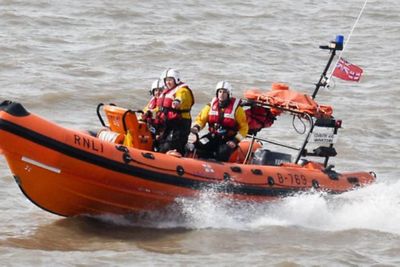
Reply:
x=226, y=121
x=174, y=105
x=150, y=111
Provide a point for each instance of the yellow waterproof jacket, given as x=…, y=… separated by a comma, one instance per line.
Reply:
x=185, y=96
x=240, y=117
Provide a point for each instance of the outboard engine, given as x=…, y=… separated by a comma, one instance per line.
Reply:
x=267, y=157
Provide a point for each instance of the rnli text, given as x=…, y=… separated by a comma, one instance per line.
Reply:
x=88, y=143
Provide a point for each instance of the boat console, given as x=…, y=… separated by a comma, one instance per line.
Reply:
x=264, y=156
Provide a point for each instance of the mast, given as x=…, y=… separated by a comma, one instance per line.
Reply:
x=334, y=46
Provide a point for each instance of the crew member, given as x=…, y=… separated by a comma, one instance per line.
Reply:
x=150, y=111
x=227, y=124
x=174, y=106
x=156, y=89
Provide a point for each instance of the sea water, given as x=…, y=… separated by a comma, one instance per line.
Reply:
x=61, y=58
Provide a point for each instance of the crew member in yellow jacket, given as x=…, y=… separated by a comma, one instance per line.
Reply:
x=227, y=124
x=174, y=106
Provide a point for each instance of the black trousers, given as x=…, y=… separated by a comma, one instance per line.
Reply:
x=214, y=146
x=175, y=135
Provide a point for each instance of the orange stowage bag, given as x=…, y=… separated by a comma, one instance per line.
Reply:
x=281, y=96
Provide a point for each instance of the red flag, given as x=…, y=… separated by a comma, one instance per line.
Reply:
x=347, y=71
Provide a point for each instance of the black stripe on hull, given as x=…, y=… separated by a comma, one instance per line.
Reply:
x=103, y=162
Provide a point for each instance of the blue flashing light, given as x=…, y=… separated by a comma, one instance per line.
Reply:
x=339, y=39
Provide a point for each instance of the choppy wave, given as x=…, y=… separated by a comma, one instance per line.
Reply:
x=375, y=207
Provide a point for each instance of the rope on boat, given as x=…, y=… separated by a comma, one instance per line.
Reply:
x=348, y=40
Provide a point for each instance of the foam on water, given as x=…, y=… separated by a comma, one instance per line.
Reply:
x=375, y=207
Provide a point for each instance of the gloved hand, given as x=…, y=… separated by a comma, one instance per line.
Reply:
x=231, y=144
x=146, y=115
x=176, y=103
x=152, y=130
x=190, y=147
x=195, y=129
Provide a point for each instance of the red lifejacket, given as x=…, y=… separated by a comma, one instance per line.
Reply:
x=164, y=103
x=226, y=120
x=150, y=115
x=258, y=118
x=152, y=103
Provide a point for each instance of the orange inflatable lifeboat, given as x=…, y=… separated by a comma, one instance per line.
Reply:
x=70, y=173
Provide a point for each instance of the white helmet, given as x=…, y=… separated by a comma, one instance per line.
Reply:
x=157, y=84
x=224, y=85
x=171, y=73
